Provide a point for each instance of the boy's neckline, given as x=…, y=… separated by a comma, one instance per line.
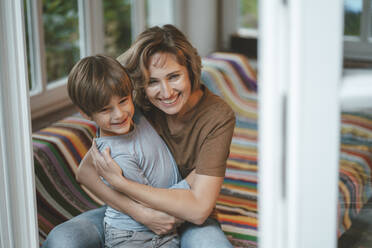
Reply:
x=131, y=130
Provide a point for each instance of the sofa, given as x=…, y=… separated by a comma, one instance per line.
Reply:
x=59, y=148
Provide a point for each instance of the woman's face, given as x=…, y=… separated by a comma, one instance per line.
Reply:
x=169, y=87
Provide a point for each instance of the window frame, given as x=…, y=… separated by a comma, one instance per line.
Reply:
x=360, y=48
x=233, y=38
x=46, y=98
x=354, y=48
x=18, y=215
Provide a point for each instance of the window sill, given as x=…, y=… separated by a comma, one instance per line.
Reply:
x=356, y=91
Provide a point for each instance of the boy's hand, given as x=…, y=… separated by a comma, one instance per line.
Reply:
x=106, y=166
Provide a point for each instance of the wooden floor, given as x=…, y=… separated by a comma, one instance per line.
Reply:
x=360, y=233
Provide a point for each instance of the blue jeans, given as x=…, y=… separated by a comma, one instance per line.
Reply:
x=116, y=238
x=208, y=235
x=86, y=231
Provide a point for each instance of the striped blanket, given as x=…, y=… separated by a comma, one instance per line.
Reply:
x=59, y=148
x=231, y=77
x=355, y=166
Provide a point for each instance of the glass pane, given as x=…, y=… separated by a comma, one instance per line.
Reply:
x=61, y=34
x=117, y=25
x=353, y=14
x=248, y=14
x=159, y=12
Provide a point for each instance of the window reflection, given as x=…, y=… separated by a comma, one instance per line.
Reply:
x=117, y=25
x=248, y=14
x=61, y=35
x=353, y=14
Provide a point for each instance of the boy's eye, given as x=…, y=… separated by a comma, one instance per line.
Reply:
x=124, y=100
x=103, y=110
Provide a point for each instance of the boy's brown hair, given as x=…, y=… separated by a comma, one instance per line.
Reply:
x=166, y=39
x=94, y=80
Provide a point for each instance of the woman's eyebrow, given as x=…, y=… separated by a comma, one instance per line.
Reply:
x=169, y=74
x=174, y=72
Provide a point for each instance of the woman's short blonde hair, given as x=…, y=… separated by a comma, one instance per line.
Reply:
x=166, y=39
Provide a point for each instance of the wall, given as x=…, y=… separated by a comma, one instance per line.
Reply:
x=198, y=20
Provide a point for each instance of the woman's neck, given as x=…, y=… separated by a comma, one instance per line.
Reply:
x=191, y=103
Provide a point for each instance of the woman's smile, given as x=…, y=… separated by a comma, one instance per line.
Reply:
x=170, y=101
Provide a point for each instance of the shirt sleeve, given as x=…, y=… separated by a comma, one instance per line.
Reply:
x=130, y=169
x=213, y=154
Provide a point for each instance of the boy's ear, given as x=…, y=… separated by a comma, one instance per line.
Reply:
x=84, y=114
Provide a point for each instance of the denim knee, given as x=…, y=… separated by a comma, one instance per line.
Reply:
x=207, y=235
x=82, y=231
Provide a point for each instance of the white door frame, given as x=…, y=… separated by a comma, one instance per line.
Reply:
x=300, y=67
x=17, y=190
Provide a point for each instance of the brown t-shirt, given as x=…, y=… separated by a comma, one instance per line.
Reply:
x=202, y=138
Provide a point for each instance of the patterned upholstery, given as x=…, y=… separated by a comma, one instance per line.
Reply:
x=355, y=166
x=231, y=77
x=58, y=150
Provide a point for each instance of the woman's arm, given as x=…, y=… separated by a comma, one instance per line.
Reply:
x=194, y=205
x=158, y=222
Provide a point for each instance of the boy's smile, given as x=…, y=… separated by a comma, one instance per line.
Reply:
x=116, y=117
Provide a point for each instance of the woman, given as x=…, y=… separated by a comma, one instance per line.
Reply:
x=197, y=127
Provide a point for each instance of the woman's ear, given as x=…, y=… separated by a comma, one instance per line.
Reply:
x=84, y=114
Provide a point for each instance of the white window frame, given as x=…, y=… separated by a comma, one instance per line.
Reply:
x=300, y=61
x=46, y=98
x=361, y=47
x=17, y=188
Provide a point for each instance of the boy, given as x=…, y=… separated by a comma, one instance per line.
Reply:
x=102, y=90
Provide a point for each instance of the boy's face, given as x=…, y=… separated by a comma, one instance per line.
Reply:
x=116, y=117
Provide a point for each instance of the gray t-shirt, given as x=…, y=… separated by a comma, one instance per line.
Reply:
x=144, y=158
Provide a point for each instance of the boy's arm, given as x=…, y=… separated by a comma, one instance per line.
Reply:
x=157, y=221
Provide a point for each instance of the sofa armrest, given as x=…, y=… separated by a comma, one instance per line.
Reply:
x=58, y=150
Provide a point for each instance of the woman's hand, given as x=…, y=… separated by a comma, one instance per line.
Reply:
x=159, y=222
x=106, y=166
